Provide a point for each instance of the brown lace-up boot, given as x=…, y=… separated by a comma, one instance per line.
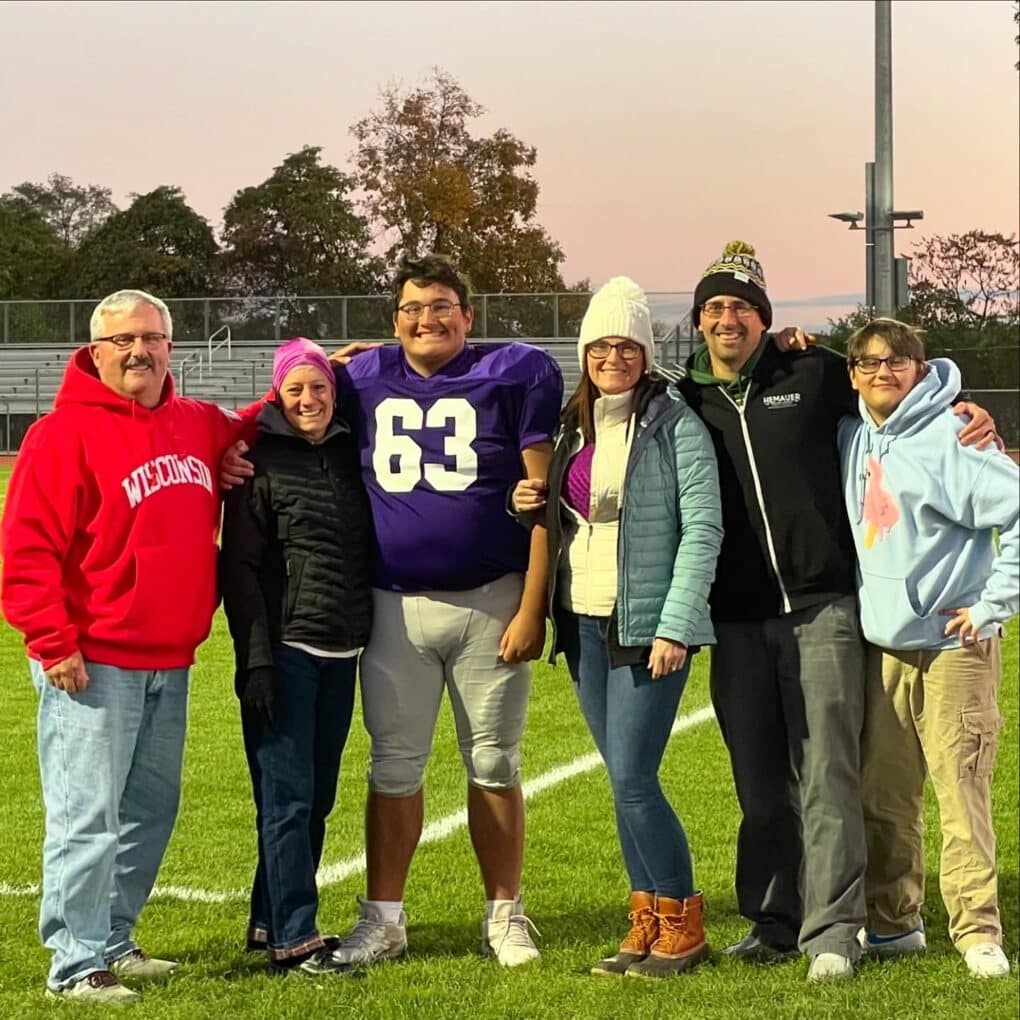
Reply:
x=681, y=943
x=644, y=930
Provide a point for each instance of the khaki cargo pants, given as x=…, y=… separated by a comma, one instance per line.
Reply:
x=932, y=712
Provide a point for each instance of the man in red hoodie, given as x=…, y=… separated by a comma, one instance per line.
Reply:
x=109, y=571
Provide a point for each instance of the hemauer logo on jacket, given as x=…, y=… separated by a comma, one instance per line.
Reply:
x=777, y=401
x=158, y=473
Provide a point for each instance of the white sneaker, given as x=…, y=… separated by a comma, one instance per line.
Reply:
x=830, y=967
x=137, y=964
x=372, y=938
x=895, y=945
x=505, y=935
x=100, y=988
x=986, y=960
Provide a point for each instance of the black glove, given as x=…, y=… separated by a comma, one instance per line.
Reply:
x=259, y=694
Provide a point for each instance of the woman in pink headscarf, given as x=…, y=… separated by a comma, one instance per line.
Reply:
x=296, y=580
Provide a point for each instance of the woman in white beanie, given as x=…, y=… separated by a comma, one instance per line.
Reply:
x=634, y=524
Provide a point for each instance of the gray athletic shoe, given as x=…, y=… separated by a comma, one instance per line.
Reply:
x=139, y=965
x=100, y=988
x=372, y=939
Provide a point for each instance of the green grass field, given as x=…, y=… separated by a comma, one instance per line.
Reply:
x=574, y=884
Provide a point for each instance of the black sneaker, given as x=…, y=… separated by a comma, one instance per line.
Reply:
x=322, y=962
x=751, y=949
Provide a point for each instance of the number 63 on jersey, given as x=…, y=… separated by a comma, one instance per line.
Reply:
x=398, y=460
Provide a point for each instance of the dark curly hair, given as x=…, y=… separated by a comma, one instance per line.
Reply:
x=430, y=269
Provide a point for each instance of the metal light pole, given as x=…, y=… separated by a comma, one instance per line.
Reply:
x=882, y=227
x=885, y=275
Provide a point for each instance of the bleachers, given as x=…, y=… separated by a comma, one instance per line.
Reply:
x=247, y=373
x=30, y=374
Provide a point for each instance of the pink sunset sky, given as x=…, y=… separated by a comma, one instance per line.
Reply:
x=663, y=129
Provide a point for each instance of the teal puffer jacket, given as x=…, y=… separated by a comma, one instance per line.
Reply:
x=670, y=528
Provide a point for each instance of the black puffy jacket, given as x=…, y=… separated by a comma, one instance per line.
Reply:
x=298, y=546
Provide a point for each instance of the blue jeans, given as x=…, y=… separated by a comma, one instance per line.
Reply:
x=294, y=764
x=110, y=763
x=630, y=716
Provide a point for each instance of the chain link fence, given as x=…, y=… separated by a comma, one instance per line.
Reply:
x=991, y=375
x=329, y=317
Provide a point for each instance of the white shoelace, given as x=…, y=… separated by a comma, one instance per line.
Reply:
x=515, y=933
x=366, y=934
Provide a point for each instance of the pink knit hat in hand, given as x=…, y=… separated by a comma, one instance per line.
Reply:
x=297, y=352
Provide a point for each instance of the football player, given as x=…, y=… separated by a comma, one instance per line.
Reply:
x=446, y=429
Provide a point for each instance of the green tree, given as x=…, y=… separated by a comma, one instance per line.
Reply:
x=965, y=295
x=159, y=243
x=30, y=252
x=31, y=261
x=964, y=291
x=71, y=210
x=298, y=233
x=966, y=286
x=429, y=185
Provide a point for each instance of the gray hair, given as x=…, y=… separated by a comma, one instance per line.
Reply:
x=126, y=301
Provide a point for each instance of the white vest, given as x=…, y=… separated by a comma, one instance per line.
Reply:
x=587, y=570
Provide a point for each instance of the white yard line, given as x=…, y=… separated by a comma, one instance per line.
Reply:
x=331, y=874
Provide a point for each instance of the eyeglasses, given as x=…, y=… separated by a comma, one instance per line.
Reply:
x=869, y=366
x=125, y=341
x=716, y=309
x=440, y=309
x=601, y=349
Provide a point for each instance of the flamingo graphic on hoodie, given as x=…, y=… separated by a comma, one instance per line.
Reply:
x=880, y=509
x=923, y=510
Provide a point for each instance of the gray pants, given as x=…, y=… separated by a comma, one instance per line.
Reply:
x=789, y=696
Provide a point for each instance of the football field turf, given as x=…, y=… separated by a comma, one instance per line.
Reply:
x=574, y=885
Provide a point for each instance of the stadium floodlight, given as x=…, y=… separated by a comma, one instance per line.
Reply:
x=908, y=215
x=853, y=218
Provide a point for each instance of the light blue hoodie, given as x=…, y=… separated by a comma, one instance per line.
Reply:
x=922, y=509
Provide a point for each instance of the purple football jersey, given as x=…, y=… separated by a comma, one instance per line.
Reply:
x=439, y=456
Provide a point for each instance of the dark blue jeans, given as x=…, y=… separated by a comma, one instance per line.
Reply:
x=630, y=716
x=294, y=764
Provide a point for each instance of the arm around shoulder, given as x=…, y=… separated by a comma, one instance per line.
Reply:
x=41, y=516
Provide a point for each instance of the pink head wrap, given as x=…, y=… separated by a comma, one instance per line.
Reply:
x=297, y=352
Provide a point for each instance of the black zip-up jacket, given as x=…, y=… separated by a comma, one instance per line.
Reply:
x=787, y=543
x=298, y=546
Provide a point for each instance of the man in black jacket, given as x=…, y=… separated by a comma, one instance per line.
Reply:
x=787, y=675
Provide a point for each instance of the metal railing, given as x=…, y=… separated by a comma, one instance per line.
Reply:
x=195, y=364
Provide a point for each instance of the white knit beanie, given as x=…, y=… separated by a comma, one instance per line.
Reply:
x=618, y=308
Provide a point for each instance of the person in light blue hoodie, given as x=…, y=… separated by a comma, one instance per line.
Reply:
x=935, y=588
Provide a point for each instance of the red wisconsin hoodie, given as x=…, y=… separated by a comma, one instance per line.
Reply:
x=109, y=530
